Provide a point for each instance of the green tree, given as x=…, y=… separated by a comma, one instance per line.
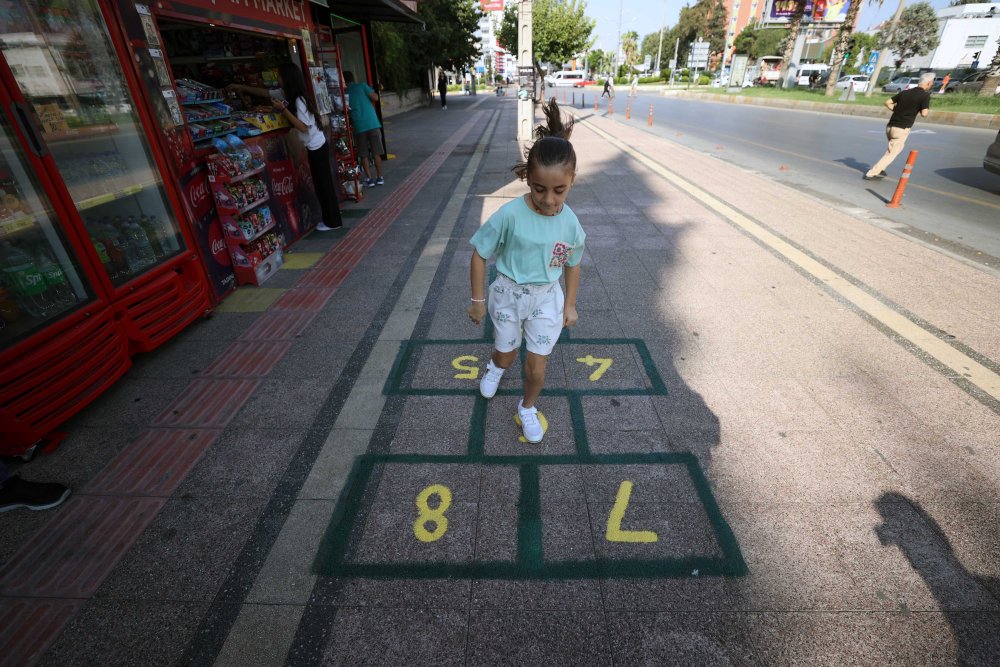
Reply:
x=958, y=3
x=559, y=30
x=842, y=43
x=862, y=45
x=760, y=43
x=917, y=32
x=630, y=47
x=705, y=19
x=448, y=37
x=993, y=76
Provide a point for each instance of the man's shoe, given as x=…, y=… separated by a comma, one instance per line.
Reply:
x=16, y=493
x=870, y=178
x=881, y=174
x=370, y=183
x=323, y=227
x=530, y=424
x=491, y=380
x=379, y=181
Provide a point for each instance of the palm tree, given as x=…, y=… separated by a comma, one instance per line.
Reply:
x=992, y=79
x=790, y=38
x=630, y=45
x=843, y=42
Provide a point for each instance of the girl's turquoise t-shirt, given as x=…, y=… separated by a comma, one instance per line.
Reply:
x=531, y=249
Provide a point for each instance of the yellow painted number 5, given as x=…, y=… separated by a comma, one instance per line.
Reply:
x=432, y=515
x=615, y=532
x=468, y=372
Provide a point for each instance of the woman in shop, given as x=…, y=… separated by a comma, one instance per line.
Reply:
x=291, y=94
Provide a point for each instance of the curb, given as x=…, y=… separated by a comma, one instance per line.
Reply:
x=982, y=121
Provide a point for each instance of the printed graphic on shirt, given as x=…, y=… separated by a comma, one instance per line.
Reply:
x=560, y=254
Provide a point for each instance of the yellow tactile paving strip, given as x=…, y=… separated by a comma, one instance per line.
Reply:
x=301, y=260
x=250, y=299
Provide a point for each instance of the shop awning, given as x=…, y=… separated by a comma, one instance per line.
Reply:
x=395, y=11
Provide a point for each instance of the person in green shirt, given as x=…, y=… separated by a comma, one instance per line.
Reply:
x=366, y=126
x=536, y=239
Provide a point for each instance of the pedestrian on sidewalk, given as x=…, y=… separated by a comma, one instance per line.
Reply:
x=536, y=239
x=634, y=89
x=367, y=128
x=609, y=88
x=443, y=90
x=904, y=107
x=291, y=91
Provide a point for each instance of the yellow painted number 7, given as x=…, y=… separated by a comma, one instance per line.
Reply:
x=602, y=366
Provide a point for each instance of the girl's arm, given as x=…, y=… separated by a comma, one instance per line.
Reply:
x=477, y=276
x=240, y=88
x=281, y=107
x=572, y=274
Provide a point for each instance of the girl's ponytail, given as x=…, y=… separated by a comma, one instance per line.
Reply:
x=552, y=146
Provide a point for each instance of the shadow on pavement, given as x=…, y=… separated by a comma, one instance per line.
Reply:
x=973, y=177
x=923, y=542
x=879, y=196
x=854, y=164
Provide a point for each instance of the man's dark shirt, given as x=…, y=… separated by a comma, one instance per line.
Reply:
x=908, y=104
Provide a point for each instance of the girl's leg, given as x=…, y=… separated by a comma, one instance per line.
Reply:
x=504, y=359
x=326, y=188
x=534, y=377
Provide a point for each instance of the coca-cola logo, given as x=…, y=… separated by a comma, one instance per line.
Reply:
x=217, y=244
x=283, y=188
x=198, y=194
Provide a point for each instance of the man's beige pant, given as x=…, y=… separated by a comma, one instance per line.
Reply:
x=897, y=139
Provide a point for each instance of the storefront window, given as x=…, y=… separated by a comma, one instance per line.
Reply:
x=65, y=65
x=40, y=279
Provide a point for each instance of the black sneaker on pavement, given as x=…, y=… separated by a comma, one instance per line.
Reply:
x=882, y=174
x=16, y=493
x=871, y=178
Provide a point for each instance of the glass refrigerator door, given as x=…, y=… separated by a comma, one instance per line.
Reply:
x=62, y=57
x=41, y=277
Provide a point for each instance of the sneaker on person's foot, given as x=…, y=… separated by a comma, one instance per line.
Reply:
x=370, y=183
x=530, y=424
x=881, y=174
x=870, y=178
x=17, y=492
x=323, y=227
x=491, y=380
x=379, y=181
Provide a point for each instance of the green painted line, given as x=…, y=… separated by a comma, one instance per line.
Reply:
x=656, y=382
x=333, y=558
x=477, y=429
x=529, y=520
x=579, y=426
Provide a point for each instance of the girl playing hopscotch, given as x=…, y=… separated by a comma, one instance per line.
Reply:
x=535, y=239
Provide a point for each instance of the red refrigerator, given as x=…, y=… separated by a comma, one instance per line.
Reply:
x=94, y=263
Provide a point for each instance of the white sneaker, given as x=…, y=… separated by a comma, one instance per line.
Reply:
x=491, y=380
x=530, y=425
x=321, y=227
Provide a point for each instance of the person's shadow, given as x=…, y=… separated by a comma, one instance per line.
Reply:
x=854, y=164
x=968, y=601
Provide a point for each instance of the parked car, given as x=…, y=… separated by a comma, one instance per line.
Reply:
x=973, y=83
x=992, y=160
x=860, y=82
x=585, y=82
x=565, y=78
x=805, y=71
x=901, y=84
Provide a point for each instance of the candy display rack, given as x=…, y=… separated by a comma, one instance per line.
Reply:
x=332, y=99
x=240, y=191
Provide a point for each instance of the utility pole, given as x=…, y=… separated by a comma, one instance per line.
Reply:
x=525, y=59
x=663, y=24
x=884, y=52
x=618, y=46
x=673, y=68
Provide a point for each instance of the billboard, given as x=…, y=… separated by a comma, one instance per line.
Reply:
x=817, y=11
x=491, y=5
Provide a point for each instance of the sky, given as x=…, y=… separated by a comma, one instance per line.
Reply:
x=646, y=16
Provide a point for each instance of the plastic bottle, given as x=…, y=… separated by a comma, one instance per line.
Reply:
x=153, y=235
x=59, y=290
x=102, y=254
x=115, y=246
x=140, y=246
x=25, y=281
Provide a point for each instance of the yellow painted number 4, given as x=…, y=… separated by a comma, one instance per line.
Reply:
x=434, y=516
x=615, y=532
x=602, y=366
x=468, y=372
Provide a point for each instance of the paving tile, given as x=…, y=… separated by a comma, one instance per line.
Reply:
x=127, y=632
x=201, y=536
x=452, y=442
x=178, y=358
x=262, y=635
x=627, y=413
x=395, y=593
x=537, y=637
x=397, y=637
x=503, y=436
x=422, y=412
x=682, y=639
x=292, y=403
x=131, y=403
x=574, y=594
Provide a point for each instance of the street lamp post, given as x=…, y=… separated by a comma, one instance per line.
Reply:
x=525, y=102
x=663, y=23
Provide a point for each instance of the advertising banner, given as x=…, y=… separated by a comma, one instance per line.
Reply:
x=491, y=5
x=817, y=11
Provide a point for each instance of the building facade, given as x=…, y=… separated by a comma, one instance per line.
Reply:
x=968, y=38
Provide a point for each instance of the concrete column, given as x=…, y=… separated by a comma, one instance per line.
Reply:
x=525, y=106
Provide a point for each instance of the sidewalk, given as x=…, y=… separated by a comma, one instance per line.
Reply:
x=779, y=384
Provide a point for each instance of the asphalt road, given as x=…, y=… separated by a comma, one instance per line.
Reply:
x=951, y=200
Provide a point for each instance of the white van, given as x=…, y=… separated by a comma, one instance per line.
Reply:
x=566, y=78
x=805, y=71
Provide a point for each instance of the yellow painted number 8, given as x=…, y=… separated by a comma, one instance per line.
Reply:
x=432, y=515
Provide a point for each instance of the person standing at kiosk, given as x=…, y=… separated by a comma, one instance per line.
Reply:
x=291, y=94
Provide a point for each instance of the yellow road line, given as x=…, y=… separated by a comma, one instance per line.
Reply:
x=963, y=365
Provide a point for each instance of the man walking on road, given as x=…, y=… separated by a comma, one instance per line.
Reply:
x=904, y=106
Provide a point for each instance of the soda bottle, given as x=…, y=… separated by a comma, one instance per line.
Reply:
x=115, y=246
x=8, y=306
x=59, y=290
x=25, y=281
x=102, y=254
x=153, y=236
x=141, y=248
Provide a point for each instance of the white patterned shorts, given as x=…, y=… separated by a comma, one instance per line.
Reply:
x=537, y=310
